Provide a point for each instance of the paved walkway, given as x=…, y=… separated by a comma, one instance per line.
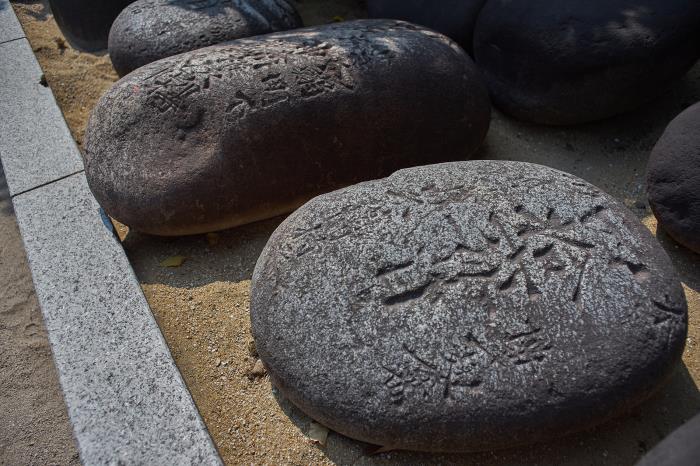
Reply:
x=35, y=428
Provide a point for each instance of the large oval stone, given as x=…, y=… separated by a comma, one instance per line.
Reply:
x=555, y=62
x=673, y=179
x=86, y=23
x=454, y=18
x=149, y=30
x=466, y=306
x=248, y=130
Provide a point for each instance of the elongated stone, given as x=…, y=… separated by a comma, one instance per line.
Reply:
x=562, y=63
x=673, y=178
x=466, y=306
x=248, y=130
x=149, y=30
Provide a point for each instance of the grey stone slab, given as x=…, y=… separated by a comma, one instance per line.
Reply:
x=36, y=146
x=126, y=399
x=10, y=28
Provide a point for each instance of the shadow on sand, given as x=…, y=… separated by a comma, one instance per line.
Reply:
x=621, y=441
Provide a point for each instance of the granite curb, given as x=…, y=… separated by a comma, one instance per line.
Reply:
x=10, y=28
x=126, y=399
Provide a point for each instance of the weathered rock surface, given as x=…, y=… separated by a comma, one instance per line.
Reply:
x=149, y=30
x=466, y=306
x=454, y=18
x=86, y=23
x=673, y=179
x=681, y=448
x=248, y=130
x=557, y=62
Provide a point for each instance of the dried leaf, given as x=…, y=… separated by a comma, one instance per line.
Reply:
x=173, y=261
x=318, y=433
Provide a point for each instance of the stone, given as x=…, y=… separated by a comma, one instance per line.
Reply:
x=86, y=23
x=681, y=448
x=149, y=30
x=248, y=130
x=454, y=18
x=562, y=63
x=673, y=179
x=10, y=28
x=36, y=146
x=126, y=399
x=466, y=306
x=258, y=369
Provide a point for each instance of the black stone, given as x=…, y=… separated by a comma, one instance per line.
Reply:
x=251, y=129
x=454, y=18
x=673, y=179
x=559, y=62
x=681, y=448
x=466, y=306
x=85, y=23
x=149, y=30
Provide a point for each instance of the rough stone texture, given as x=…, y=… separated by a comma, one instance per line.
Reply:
x=681, y=448
x=9, y=26
x=125, y=397
x=454, y=18
x=36, y=146
x=466, y=306
x=86, y=23
x=35, y=427
x=557, y=62
x=673, y=179
x=243, y=131
x=149, y=30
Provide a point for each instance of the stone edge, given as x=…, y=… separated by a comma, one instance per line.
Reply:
x=93, y=418
x=28, y=107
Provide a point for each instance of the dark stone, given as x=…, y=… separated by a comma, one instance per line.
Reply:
x=454, y=18
x=673, y=179
x=149, y=30
x=466, y=306
x=251, y=129
x=681, y=448
x=85, y=23
x=558, y=62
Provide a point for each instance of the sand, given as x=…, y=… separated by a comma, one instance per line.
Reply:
x=202, y=306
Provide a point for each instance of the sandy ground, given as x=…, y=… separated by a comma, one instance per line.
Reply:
x=202, y=306
x=34, y=427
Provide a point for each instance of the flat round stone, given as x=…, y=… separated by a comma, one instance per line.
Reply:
x=253, y=128
x=466, y=306
x=149, y=30
x=560, y=63
x=673, y=179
